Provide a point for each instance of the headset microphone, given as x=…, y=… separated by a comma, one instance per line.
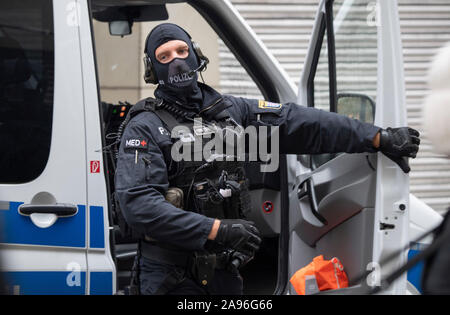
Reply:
x=202, y=66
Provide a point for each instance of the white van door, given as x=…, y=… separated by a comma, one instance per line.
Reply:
x=353, y=206
x=43, y=182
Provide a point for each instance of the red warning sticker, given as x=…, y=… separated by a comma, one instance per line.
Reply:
x=95, y=166
x=267, y=206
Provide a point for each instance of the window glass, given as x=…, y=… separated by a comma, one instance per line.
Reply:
x=26, y=88
x=355, y=28
x=234, y=79
x=322, y=79
x=322, y=94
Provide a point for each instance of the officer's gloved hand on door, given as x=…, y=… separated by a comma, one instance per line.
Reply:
x=398, y=144
x=240, y=236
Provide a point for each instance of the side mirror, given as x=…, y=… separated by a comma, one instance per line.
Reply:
x=120, y=28
x=353, y=105
x=356, y=106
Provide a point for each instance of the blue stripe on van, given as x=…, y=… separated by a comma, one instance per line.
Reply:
x=415, y=273
x=101, y=283
x=18, y=229
x=45, y=282
x=97, y=227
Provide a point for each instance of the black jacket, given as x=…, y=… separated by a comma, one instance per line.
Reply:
x=144, y=158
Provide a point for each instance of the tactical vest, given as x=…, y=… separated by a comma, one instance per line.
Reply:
x=203, y=177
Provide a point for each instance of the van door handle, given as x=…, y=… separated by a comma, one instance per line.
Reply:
x=311, y=193
x=59, y=209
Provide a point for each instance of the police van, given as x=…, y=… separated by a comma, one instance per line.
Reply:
x=60, y=230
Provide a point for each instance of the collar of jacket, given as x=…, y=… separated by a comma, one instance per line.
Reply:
x=212, y=106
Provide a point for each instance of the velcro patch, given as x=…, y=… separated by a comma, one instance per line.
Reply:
x=203, y=130
x=163, y=131
x=269, y=105
x=136, y=144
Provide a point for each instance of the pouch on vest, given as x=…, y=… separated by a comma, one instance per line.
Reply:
x=202, y=268
x=320, y=275
x=175, y=196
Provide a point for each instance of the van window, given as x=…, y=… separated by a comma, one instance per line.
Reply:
x=26, y=88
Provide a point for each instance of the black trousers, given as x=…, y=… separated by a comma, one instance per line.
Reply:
x=156, y=278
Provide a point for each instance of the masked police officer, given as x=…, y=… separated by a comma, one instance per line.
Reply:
x=190, y=213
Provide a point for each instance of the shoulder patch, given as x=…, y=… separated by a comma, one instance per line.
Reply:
x=136, y=144
x=269, y=105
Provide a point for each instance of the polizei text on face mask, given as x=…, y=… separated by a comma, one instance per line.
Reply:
x=210, y=142
x=180, y=78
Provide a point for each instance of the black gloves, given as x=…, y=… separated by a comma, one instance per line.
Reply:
x=240, y=236
x=398, y=143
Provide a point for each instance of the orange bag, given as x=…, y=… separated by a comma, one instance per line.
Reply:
x=320, y=275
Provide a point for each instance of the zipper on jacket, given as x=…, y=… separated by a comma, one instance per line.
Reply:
x=210, y=106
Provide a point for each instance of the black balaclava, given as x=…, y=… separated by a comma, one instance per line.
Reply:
x=175, y=83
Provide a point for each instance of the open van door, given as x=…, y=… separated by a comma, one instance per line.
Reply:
x=352, y=206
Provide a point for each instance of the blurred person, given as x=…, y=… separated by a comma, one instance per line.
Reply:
x=437, y=104
x=436, y=277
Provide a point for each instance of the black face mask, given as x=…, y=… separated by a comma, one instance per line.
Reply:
x=177, y=75
x=177, y=79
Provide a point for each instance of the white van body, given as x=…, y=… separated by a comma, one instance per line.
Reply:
x=72, y=253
